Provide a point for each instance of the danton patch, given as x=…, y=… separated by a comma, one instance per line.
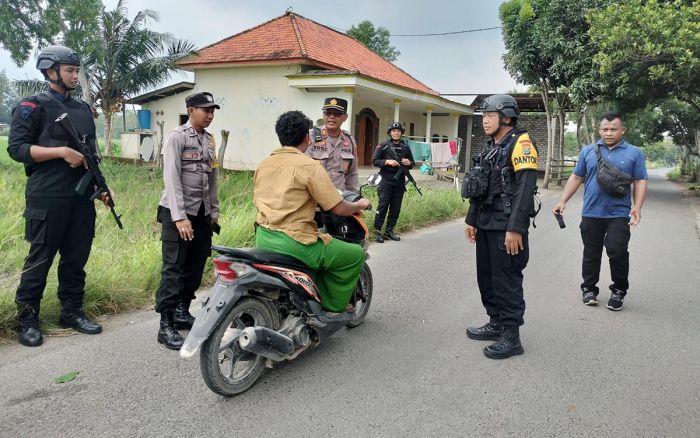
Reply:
x=524, y=156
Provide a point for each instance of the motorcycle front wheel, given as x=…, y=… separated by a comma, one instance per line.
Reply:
x=227, y=369
x=366, y=285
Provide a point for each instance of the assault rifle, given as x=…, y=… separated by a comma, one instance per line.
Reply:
x=403, y=170
x=93, y=182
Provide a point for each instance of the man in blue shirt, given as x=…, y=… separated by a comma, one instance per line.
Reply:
x=607, y=219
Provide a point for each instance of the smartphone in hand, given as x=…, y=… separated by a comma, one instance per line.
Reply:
x=560, y=220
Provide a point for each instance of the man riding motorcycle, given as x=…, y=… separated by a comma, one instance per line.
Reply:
x=287, y=187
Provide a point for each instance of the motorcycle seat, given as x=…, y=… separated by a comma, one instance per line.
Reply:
x=263, y=256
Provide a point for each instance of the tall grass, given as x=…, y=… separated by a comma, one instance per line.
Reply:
x=123, y=271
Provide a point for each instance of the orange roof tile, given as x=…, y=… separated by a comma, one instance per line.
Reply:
x=292, y=37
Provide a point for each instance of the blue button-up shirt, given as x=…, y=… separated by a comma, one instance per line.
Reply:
x=596, y=202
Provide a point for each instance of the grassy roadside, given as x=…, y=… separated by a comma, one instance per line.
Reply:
x=123, y=270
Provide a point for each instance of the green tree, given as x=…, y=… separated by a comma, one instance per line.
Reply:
x=123, y=58
x=376, y=39
x=25, y=23
x=548, y=46
x=8, y=98
x=650, y=50
x=131, y=58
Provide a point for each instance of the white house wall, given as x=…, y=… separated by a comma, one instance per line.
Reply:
x=172, y=107
x=251, y=100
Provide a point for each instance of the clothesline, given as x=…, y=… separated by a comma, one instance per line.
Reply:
x=440, y=155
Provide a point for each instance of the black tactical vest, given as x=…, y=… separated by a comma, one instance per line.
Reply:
x=55, y=178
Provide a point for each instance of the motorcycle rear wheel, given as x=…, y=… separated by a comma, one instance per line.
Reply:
x=362, y=308
x=231, y=370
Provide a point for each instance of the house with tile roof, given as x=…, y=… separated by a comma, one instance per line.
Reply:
x=293, y=63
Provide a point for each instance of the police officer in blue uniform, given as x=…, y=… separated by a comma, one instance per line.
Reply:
x=58, y=220
x=501, y=190
x=393, y=185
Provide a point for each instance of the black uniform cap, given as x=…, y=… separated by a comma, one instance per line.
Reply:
x=335, y=103
x=201, y=100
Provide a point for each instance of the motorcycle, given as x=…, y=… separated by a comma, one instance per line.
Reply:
x=265, y=307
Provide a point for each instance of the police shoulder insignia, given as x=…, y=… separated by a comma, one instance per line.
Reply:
x=26, y=107
x=524, y=155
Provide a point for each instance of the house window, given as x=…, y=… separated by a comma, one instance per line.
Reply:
x=412, y=129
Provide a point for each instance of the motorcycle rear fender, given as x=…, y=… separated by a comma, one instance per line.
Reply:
x=215, y=307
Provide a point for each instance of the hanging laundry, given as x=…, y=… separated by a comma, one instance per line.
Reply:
x=420, y=150
x=453, y=147
x=441, y=154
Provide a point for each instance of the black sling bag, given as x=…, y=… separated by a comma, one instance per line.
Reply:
x=612, y=180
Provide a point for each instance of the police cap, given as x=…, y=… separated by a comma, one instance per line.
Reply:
x=201, y=100
x=335, y=103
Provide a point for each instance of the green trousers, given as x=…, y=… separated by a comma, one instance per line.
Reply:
x=339, y=264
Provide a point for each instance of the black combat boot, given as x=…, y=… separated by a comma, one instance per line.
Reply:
x=507, y=345
x=182, y=318
x=378, y=236
x=491, y=331
x=28, y=333
x=78, y=321
x=167, y=335
x=389, y=234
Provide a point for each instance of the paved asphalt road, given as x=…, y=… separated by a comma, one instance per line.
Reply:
x=410, y=370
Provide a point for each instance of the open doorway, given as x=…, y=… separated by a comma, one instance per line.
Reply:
x=367, y=135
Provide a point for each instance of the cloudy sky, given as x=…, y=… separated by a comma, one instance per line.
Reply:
x=461, y=63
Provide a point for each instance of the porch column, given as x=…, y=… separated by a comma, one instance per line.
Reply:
x=468, y=143
x=429, y=117
x=349, y=124
x=397, y=105
x=455, y=121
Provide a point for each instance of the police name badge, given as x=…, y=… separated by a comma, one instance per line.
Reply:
x=524, y=156
x=190, y=156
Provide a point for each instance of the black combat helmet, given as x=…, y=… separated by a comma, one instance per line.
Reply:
x=395, y=125
x=56, y=55
x=503, y=104
x=51, y=57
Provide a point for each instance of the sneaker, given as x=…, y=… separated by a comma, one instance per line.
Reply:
x=616, y=299
x=590, y=298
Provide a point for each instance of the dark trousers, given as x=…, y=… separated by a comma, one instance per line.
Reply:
x=56, y=225
x=614, y=235
x=390, y=197
x=183, y=260
x=500, y=276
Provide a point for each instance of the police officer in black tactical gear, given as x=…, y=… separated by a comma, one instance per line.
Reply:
x=393, y=185
x=58, y=220
x=501, y=189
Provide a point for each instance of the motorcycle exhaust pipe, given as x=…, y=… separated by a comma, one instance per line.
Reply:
x=266, y=343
